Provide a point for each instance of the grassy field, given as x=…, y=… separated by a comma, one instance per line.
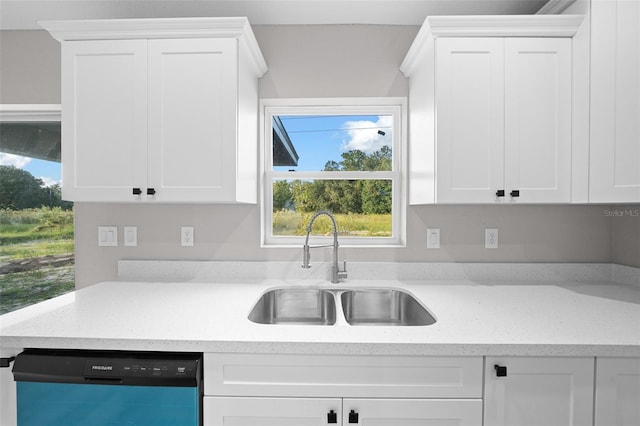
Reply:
x=289, y=222
x=29, y=234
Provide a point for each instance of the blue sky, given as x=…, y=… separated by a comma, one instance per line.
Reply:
x=318, y=139
x=48, y=171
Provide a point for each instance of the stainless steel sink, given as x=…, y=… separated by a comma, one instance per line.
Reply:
x=328, y=306
x=384, y=307
x=305, y=306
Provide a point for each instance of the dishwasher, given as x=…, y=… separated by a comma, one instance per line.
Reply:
x=100, y=388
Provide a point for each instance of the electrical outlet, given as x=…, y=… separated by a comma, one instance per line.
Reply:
x=433, y=238
x=186, y=236
x=491, y=238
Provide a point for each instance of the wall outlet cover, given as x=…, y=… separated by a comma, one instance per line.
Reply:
x=491, y=238
x=186, y=236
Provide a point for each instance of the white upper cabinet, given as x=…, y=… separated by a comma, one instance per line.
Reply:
x=104, y=116
x=159, y=110
x=614, y=174
x=470, y=119
x=538, y=119
x=491, y=110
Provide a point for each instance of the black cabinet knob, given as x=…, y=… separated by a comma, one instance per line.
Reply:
x=500, y=193
x=515, y=193
x=137, y=191
x=332, y=417
x=501, y=371
x=353, y=417
x=151, y=191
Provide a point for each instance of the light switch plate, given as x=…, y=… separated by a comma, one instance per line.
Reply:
x=433, y=238
x=108, y=236
x=130, y=236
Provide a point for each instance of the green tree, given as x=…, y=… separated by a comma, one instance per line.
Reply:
x=19, y=190
x=376, y=196
x=282, y=195
x=343, y=196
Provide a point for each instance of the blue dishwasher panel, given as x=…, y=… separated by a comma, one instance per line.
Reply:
x=108, y=388
x=67, y=404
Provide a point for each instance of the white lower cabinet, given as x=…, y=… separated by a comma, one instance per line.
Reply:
x=538, y=391
x=319, y=390
x=617, y=392
x=239, y=411
x=300, y=390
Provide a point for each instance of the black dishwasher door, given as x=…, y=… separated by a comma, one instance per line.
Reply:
x=108, y=388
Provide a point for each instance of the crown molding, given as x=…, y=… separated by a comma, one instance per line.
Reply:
x=505, y=26
x=160, y=28
x=488, y=26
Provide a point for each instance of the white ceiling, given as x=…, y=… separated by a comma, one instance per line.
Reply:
x=24, y=14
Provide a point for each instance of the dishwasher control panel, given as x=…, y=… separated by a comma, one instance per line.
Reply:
x=109, y=367
x=118, y=367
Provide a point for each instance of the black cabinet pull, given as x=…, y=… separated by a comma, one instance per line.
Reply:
x=6, y=362
x=515, y=193
x=332, y=417
x=151, y=191
x=501, y=371
x=137, y=191
x=500, y=193
x=353, y=417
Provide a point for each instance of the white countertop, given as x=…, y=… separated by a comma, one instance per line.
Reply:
x=474, y=317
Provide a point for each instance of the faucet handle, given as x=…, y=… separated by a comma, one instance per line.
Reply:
x=343, y=273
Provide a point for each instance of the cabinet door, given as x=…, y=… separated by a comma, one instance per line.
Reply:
x=539, y=391
x=538, y=119
x=412, y=412
x=618, y=392
x=192, y=119
x=470, y=119
x=104, y=113
x=614, y=173
x=237, y=411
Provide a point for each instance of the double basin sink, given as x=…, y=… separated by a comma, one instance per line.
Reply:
x=328, y=306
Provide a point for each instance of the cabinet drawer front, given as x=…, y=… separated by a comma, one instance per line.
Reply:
x=238, y=411
x=343, y=376
x=413, y=412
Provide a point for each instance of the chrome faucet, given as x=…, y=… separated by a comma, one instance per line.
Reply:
x=336, y=273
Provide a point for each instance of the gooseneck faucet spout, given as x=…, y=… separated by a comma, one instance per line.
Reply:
x=336, y=273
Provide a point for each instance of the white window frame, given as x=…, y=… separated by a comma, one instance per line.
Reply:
x=396, y=107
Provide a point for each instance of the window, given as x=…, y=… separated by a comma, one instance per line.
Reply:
x=342, y=155
x=36, y=225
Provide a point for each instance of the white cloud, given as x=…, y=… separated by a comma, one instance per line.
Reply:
x=14, y=160
x=364, y=136
x=47, y=181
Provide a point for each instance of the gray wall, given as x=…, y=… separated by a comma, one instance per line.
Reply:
x=327, y=61
x=29, y=68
